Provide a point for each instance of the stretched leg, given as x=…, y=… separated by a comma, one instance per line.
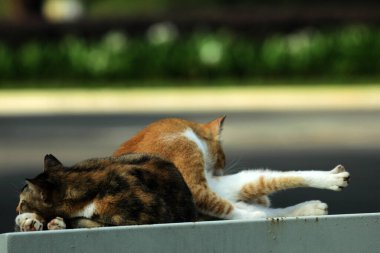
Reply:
x=308, y=208
x=252, y=184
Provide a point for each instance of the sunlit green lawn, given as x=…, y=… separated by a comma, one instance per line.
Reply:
x=301, y=83
x=196, y=97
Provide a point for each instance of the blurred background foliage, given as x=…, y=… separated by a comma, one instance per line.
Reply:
x=352, y=51
x=163, y=49
x=96, y=8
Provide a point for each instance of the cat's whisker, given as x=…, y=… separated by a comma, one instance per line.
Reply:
x=231, y=166
x=15, y=187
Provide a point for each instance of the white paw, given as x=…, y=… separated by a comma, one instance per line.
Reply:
x=29, y=222
x=310, y=208
x=335, y=179
x=338, y=178
x=56, y=224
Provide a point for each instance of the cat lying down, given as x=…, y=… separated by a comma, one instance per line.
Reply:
x=195, y=150
x=127, y=190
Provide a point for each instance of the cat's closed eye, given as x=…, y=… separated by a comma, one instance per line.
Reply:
x=22, y=206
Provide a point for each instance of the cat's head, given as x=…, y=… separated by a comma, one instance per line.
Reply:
x=212, y=134
x=37, y=194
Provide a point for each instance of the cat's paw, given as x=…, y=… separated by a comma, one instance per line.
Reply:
x=310, y=208
x=29, y=222
x=56, y=224
x=338, y=178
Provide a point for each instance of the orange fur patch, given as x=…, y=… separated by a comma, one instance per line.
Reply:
x=264, y=186
x=165, y=139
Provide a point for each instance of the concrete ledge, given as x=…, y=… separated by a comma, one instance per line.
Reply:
x=334, y=233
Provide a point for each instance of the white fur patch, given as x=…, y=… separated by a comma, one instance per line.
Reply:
x=29, y=222
x=212, y=181
x=87, y=212
x=23, y=217
x=202, y=146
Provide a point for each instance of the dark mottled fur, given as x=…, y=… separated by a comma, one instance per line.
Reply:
x=126, y=190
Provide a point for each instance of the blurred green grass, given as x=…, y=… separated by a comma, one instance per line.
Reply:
x=348, y=55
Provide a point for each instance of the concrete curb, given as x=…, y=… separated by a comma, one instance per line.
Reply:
x=336, y=233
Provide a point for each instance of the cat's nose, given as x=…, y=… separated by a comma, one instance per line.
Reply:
x=18, y=209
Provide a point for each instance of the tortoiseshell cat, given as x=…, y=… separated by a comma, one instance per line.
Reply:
x=130, y=189
x=196, y=151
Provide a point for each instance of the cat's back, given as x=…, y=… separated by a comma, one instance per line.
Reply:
x=159, y=134
x=136, y=168
x=148, y=169
x=160, y=186
x=142, y=182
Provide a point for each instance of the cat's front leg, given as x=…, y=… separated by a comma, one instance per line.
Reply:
x=252, y=184
x=56, y=224
x=29, y=222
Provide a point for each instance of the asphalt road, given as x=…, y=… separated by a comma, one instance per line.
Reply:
x=276, y=140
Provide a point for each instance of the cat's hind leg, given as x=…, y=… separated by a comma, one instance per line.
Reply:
x=252, y=184
x=272, y=181
x=308, y=208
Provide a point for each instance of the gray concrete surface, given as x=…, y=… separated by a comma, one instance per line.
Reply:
x=343, y=233
x=287, y=140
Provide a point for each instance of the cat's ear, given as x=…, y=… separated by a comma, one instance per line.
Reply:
x=50, y=162
x=30, y=184
x=215, y=127
x=38, y=187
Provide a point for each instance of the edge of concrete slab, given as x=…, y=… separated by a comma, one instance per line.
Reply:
x=333, y=233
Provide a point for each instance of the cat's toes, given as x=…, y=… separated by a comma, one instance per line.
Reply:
x=339, y=178
x=31, y=225
x=311, y=208
x=338, y=169
x=28, y=222
x=56, y=224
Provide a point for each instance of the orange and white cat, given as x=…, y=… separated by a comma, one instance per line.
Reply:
x=196, y=151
